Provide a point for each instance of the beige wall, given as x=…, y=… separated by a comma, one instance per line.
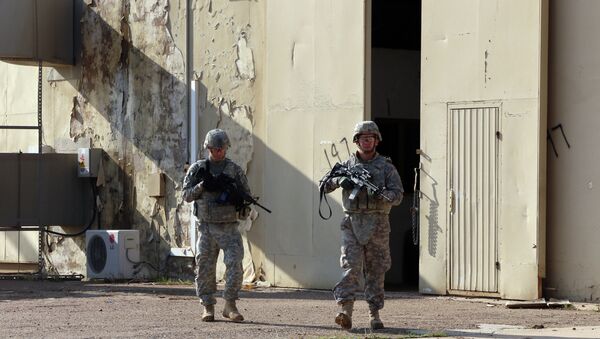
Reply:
x=573, y=173
x=477, y=53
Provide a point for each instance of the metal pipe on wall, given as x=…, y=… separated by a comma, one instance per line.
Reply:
x=193, y=151
x=192, y=122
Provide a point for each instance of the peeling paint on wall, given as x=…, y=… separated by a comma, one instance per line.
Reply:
x=245, y=61
x=131, y=102
x=76, y=128
x=127, y=96
x=227, y=34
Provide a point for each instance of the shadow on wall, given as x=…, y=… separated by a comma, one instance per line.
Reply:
x=131, y=78
x=132, y=104
x=433, y=225
x=274, y=239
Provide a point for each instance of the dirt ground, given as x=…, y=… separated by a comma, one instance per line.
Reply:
x=80, y=309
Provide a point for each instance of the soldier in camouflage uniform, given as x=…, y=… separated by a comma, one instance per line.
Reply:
x=365, y=227
x=218, y=226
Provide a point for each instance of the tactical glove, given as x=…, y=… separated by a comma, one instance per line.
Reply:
x=347, y=184
x=210, y=183
x=244, y=212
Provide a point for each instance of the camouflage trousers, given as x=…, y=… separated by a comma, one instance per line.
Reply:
x=214, y=237
x=369, y=261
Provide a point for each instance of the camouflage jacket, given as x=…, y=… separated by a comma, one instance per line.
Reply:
x=383, y=174
x=206, y=207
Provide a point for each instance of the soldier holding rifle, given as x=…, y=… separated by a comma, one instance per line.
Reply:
x=371, y=186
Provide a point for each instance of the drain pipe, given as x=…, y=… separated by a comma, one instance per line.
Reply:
x=193, y=151
x=193, y=107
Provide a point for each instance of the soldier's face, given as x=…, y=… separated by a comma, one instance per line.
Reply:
x=367, y=142
x=217, y=154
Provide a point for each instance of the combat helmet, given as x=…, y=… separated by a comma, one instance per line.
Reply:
x=216, y=138
x=366, y=127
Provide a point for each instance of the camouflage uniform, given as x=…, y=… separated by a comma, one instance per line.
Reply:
x=365, y=231
x=218, y=226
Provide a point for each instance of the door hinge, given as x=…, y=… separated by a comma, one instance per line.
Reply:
x=497, y=265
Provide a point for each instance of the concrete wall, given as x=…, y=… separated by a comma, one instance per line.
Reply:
x=573, y=171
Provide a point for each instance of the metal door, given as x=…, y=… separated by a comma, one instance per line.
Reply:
x=473, y=186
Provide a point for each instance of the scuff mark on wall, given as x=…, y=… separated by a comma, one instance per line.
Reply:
x=293, y=54
x=485, y=67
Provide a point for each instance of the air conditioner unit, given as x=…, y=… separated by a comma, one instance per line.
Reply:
x=111, y=254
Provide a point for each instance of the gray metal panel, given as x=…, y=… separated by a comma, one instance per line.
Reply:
x=32, y=30
x=65, y=199
x=473, y=174
x=17, y=29
x=8, y=189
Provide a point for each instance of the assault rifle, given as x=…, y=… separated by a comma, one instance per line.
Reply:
x=231, y=190
x=357, y=175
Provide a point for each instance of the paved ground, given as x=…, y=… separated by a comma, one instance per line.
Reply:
x=77, y=309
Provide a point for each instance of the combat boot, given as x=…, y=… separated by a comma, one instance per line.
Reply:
x=231, y=312
x=344, y=318
x=376, y=323
x=208, y=314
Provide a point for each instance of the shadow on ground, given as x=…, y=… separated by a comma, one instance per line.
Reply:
x=24, y=289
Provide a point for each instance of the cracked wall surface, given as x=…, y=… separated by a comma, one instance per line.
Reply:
x=227, y=53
